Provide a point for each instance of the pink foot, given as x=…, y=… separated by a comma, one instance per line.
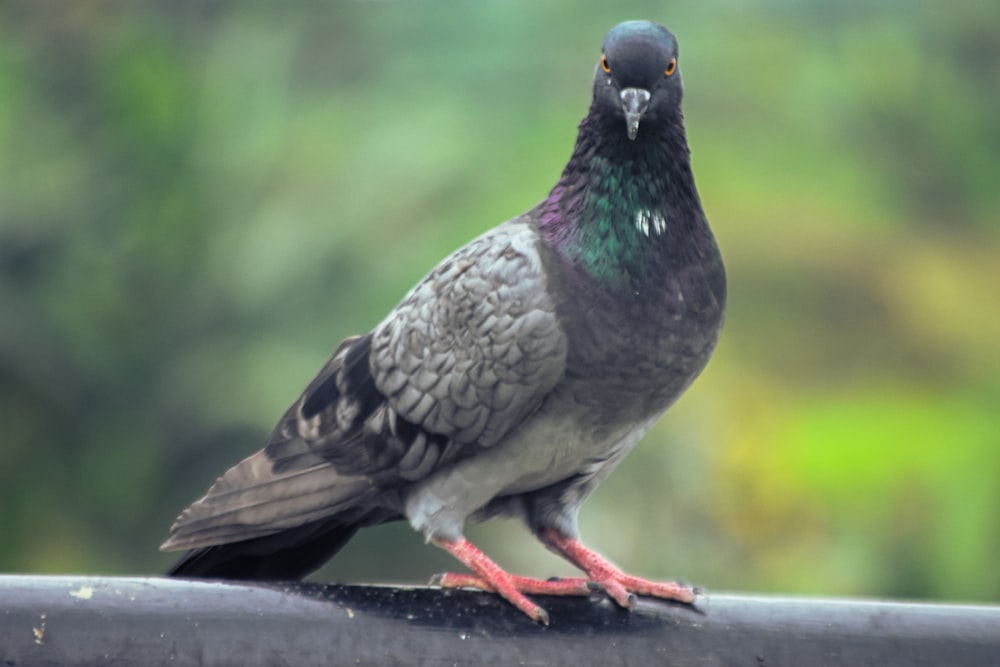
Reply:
x=620, y=586
x=530, y=585
x=491, y=577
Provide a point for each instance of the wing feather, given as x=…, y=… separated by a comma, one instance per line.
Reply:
x=476, y=346
x=470, y=352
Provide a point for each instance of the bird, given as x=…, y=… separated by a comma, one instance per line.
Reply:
x=512, y=379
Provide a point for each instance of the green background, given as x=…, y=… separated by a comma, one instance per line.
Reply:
x=198, y=201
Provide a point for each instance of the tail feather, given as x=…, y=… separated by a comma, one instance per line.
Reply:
x=251, y=501
x=282, y=512
x=288, y=555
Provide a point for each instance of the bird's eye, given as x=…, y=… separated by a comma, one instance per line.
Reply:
x=604, y=64
x=671, y=68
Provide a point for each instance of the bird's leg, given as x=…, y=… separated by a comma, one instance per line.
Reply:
x=620, y=586
x=489, y=576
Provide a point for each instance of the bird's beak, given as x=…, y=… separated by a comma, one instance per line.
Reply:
x=635, y=101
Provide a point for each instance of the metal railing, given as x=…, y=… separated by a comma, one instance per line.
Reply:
x=79, y=620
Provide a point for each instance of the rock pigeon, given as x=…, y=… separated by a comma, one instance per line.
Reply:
x=513, y=378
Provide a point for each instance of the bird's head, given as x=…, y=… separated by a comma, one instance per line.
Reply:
x=637, y=77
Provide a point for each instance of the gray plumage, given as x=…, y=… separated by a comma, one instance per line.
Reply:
x=515, y=376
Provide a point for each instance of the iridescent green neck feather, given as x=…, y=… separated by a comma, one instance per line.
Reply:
x=622, y=209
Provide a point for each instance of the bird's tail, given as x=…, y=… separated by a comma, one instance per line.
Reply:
x=290, y=554
x=264, y=521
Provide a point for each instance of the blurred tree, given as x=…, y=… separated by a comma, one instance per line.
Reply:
x=199, y=200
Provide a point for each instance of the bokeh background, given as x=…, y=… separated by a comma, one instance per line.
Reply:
x=198, y=200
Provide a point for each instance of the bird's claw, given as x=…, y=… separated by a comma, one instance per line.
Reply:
x=622, y=588
x=616, y=592
x=530, y=585
x=625, y=590
x=514, y=593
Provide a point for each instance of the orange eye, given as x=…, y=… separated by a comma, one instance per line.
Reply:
x=671, y=68
x=604, y=64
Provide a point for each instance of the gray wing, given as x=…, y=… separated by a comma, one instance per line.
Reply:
x=470, y=352
x=467, y=355
x=476, y=346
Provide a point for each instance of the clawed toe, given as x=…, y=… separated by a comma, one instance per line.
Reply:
x=528, y=585
x=624, y=589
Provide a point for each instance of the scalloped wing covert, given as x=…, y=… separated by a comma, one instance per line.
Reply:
x=470, y=352
x=476, y=346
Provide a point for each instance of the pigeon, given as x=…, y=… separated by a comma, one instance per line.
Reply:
x=512, y=379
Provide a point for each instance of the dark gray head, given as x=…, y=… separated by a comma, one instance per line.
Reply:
x=637, y=77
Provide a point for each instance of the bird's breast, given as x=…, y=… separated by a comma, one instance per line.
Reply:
x=631, y=354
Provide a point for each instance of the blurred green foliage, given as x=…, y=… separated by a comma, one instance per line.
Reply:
x=199, y=200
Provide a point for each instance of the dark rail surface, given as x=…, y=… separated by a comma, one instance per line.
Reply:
x=78, y=620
